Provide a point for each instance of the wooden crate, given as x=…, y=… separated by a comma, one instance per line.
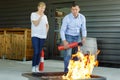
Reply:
x=8, y=40
x=28, y=42
x=18, y=44
x=2, y=43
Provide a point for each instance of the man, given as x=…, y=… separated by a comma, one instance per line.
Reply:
x=73, y=24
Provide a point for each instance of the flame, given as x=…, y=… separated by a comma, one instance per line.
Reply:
x=82, y=67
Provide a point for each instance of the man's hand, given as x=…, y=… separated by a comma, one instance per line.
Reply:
x=65, y=43
x=83, y=40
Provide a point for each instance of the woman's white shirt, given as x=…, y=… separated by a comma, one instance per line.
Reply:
x=39, y=30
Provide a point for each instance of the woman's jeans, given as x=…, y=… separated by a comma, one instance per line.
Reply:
x=67, y=53
x=37, y=44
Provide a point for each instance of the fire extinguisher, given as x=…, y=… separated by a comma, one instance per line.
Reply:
x=70, y=45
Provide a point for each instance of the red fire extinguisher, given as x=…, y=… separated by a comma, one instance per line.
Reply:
x=71, y=45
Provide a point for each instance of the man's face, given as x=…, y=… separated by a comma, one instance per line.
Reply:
x=75, y=10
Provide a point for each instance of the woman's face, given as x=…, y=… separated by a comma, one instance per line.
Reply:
x=41, y=9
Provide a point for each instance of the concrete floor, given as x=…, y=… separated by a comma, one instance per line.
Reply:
x=12, y=70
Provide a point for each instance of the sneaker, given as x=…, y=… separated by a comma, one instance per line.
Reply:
x=33, y=69
x=37, y=69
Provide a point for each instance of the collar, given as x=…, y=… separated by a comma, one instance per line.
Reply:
x=74, y=17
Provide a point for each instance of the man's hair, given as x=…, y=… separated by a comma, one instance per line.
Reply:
x=75, y=4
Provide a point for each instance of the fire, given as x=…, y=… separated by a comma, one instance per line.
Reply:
x=81, y=66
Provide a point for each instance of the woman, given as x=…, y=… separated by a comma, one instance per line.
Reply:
x=39, y=30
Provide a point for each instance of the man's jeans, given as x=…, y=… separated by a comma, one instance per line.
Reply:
x=67, y=53
x=37, y=44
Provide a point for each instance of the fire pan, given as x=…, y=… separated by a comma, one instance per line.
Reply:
x=55, y=76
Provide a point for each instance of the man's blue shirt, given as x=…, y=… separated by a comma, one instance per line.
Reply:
x=71, y=26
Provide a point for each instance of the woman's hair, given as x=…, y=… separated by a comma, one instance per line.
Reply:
x=41, y=4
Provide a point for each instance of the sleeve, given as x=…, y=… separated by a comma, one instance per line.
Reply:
x=63, y=29
x=84, y=31
x=33, y=17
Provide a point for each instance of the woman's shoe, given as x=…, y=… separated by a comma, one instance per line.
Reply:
x=33, y=69
x=37, y=69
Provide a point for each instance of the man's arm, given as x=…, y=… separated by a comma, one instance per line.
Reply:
x=84, y=30
x=62, y=32
x=63, y=29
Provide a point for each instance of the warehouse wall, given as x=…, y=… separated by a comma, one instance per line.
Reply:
x=103, y=23
x=16, y=13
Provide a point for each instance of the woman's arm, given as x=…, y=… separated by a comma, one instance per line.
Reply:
x=36, y=22
x=47, y=28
